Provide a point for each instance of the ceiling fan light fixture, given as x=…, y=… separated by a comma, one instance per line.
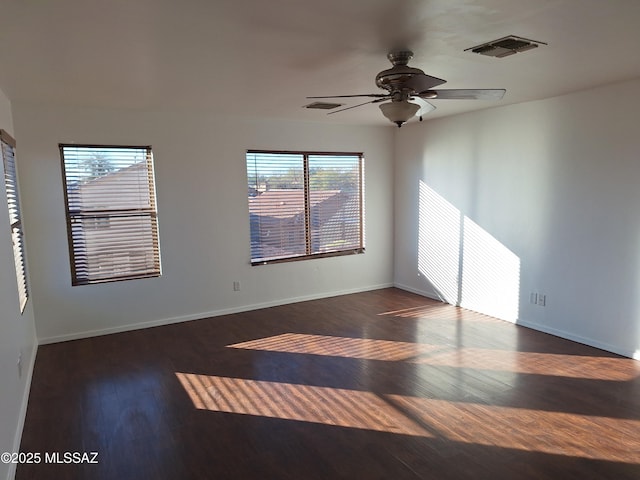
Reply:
x=399, y=112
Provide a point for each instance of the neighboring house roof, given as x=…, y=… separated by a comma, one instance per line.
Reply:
x=126, y=187
x=286, y=203
x=138, y=167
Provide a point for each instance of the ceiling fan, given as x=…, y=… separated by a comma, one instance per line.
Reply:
x=409, y=88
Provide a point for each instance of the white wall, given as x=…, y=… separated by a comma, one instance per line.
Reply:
x=17, y=332
x=203, y=218
x=551, y=185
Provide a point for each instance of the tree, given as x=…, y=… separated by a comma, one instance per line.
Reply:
x=292, y=179
x=333, y=179
x=97, y=166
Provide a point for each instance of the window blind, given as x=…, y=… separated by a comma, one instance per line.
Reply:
x=304, y=204
x=111, y=213
x=15, y=218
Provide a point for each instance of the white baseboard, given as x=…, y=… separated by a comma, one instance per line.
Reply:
x=23, y=410
x=577, y=338
x=545, y=329
x=417, y=291
x=198, y=316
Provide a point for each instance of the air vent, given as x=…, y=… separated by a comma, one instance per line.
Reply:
x=503, y=47
x=323, y=105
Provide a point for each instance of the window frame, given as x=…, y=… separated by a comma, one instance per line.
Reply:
x=11, y=181
x=105, y=215
x=307, y=207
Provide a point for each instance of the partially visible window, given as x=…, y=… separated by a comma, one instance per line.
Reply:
x=304, y=205
x=111, y=213
x=15, y=218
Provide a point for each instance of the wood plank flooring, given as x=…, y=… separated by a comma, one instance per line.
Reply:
x=375, y=385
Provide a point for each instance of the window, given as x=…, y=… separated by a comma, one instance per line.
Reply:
x=111, y=213
x=304, y=205
x=15, y=218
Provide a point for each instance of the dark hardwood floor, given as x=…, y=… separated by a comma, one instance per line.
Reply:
x=375, y=385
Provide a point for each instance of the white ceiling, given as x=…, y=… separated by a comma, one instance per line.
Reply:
x=260, y=58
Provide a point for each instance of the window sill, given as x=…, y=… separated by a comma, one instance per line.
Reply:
x=341, y=253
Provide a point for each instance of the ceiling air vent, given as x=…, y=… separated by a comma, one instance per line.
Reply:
x=503, y=47
x=323, y=105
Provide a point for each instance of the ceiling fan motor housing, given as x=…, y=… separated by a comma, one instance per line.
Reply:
x=394, y=79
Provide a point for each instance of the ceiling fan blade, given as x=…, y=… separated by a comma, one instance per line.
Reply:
x=464, y=94
x=372, y=95
x=377, y=100
x=420, y=83
x=425, y=107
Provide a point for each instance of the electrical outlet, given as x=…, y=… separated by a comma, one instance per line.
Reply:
x=533, y=298
x=542, y=300
x=236, y=286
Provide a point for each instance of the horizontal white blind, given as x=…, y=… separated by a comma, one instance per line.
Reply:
x=304, y=204
x=13, y=202
x=335, y=203
x=111, y=213
x=276, y=205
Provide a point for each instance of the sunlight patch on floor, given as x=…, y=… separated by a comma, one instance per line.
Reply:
x=347, y=347
x=557, y=433
x=441, y=312
x=552, y=364
x=328, y=406
x=574, y=366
